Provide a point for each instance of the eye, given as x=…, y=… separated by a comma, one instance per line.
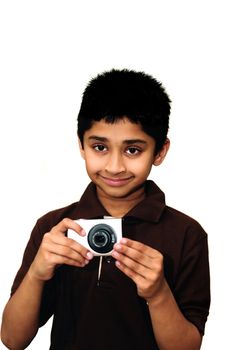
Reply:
x=132, y=151
x=99, y=148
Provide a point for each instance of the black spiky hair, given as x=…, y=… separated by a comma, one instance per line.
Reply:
x=116, y=94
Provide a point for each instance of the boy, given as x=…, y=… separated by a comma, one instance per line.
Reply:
x=153, y=292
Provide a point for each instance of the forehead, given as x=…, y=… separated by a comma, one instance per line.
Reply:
x=120, y=130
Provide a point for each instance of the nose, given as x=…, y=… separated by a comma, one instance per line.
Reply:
x=115, y=164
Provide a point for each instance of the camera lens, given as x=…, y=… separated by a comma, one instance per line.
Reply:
x=101, y=238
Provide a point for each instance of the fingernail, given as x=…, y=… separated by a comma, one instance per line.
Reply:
x=89, y=255
x=115, y=254
x=82, y=233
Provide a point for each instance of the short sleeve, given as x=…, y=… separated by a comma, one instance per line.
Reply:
x=30, y=252
x=29, y=255
x=192, y=289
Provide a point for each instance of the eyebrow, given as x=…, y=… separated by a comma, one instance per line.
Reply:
x=127, y=142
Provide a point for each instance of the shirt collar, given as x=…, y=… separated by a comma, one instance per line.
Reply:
x=150, y=209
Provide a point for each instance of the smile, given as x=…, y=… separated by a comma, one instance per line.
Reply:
x=115, y=182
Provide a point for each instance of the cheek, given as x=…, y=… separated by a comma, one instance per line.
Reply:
x=139, y=171
x=141, y=166
x=92, y=165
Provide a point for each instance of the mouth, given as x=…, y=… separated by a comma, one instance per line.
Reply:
x=115, y=181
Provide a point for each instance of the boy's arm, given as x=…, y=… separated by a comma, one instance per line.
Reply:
x=21, y=315
x=172, y=330
x=144, y=265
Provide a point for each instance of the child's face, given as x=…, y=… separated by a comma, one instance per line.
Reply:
x=118, y=157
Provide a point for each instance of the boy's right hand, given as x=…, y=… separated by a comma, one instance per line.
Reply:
x=57, y=249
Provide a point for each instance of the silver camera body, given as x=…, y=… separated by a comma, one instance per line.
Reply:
x=101, y=234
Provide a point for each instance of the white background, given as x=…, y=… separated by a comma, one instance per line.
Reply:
x=49, y=51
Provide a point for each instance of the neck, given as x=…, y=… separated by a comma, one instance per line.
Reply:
x=118, y=207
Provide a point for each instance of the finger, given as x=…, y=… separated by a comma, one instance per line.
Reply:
x=58, y=258
x=140, y=247
x=65, y=225
x=52, y=254
x=136, y=257
x=131, y=264
x=138, y=278
x=75, y=252
x=132, y=268
x=77, y=247
x=64, y=246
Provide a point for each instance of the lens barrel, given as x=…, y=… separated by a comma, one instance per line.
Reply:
x=101, y=238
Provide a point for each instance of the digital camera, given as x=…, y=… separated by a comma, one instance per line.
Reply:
x=101, y=234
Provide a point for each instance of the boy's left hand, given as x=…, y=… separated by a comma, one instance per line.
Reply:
x=143, y=264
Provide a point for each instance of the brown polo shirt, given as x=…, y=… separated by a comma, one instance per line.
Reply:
x=108, y=314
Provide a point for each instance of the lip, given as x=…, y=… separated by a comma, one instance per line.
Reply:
x=116, y=182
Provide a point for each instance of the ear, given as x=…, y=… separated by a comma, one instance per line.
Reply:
x=162, y=153
x=82, y=152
